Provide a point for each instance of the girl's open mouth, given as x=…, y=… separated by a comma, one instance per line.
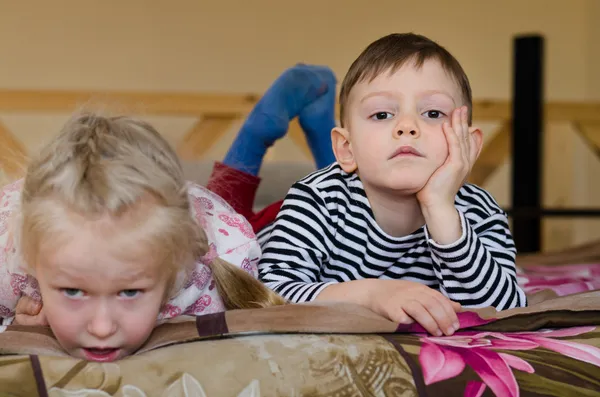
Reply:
x=101, y=354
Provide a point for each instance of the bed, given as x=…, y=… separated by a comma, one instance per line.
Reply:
x=552, y=347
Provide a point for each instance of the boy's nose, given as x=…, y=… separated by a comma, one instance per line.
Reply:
x=407, y=127
x=412, y=132
x=102, y=324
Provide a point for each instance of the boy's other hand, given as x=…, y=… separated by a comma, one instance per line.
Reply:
x=404, y=301
x=29, y=312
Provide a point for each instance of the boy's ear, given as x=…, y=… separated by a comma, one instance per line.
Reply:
x=476, y=142
x=342, y=149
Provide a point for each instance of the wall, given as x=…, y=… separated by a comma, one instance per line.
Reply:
x=237, y=46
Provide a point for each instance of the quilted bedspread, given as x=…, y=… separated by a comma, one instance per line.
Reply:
x=550, y=348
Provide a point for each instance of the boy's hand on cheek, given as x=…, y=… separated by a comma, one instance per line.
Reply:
x=442, y=186
x=437, y=196
x=405, y=301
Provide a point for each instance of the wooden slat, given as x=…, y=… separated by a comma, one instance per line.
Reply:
x=155, y=103
x=582, y=112
x=296, y=133
x=203, y=135
x=170, y=103
x=486, y=110
x=590, y=132
x=13, y=156
x=492, y=155
x=560, y=111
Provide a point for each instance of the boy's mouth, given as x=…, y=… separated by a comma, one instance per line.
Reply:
x=406, y=151
x=101, y=354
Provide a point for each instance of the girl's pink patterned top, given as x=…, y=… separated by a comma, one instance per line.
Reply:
x=229, y=234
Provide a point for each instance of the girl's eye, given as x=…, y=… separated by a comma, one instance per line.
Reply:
x=72, y=292
x=382, y=116
x=129, y=293
x=434, y=114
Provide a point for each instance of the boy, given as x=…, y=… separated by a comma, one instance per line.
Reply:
x=392, y=225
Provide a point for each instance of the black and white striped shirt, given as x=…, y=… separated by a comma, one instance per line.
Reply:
x=326, y=233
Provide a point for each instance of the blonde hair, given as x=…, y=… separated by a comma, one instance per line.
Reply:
x=107, y=165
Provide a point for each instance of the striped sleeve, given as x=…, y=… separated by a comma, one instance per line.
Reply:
x=298, y=245
x=478, y=270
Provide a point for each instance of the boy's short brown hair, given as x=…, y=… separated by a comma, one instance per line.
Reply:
x=391, y=52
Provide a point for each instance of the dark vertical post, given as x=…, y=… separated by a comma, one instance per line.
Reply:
x=527, y=141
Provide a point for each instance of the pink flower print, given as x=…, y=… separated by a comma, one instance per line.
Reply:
x=210, y=255
x=545, y=338
x=4, y=222
x=465, y=319
x=474, y=388
x=247, y=266
x=170, y=311
x=25, y=285
x=199, y=306
x=563, y=280
x=33, y=289
x=13, y=187
x=443, y=358
x=237, y=222
x=202, y=204
x=3, y=258
x=6, y=312
x=224, y=232
x=17, y=283
x=199, y=278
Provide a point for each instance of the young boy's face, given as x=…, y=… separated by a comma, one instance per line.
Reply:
x=394, y=126
x=101, y=287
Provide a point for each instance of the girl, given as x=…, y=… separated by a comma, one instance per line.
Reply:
x=105, y=229
x=303, y=91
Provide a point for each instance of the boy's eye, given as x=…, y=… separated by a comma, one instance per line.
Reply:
x=72, y=292
x=434, y=114
x=382, y=116
x=129, y=293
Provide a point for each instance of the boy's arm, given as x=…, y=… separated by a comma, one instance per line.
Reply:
x=477, y=269
x=297, y=246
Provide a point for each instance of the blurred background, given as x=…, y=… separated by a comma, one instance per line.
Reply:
x=240, y=47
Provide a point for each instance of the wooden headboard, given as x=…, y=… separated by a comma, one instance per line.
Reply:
x=216, y=113
x=213, y=115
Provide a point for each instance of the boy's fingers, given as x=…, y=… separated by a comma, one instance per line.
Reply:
x=422, y=316
x=465, y=126
x=441, y=313
x=458, y=124
x=401, y=317
x=450, y=320
x=456, y=306
x=453, y=142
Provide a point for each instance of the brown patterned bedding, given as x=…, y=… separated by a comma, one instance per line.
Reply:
x=551, y=348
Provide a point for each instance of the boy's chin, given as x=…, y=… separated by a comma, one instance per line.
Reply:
x=407, y=186
x=399, y=184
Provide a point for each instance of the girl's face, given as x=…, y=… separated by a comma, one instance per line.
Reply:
x=102, y=283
